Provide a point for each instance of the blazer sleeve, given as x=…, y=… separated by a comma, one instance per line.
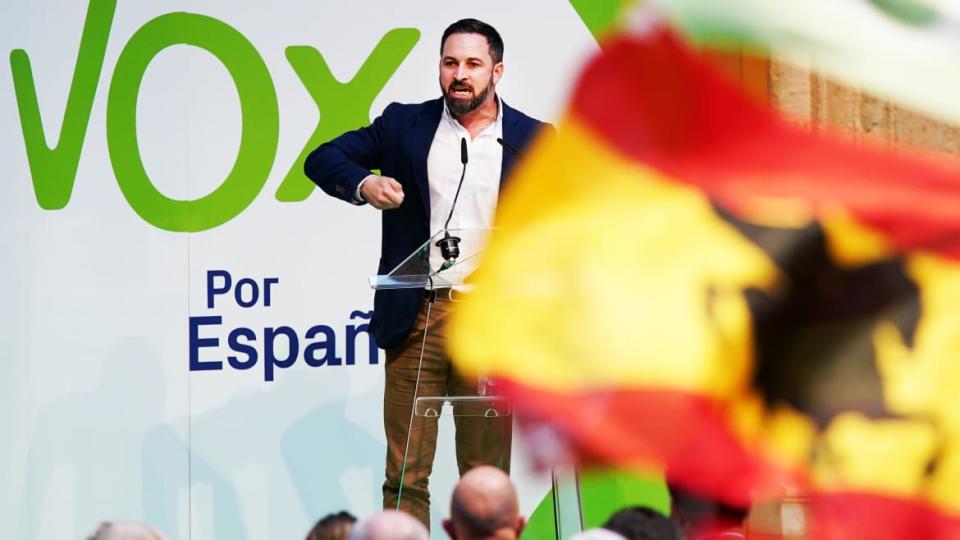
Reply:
x=339, y=165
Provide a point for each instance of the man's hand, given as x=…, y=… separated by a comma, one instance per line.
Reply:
x=382, y=192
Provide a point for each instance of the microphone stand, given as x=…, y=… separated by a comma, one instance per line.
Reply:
x=513, y=150
x=450, y=245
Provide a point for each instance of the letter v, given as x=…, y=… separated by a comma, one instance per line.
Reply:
x=343, y=106
x=54, y=170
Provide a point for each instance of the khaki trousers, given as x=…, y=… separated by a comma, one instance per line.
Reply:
x=479, y=440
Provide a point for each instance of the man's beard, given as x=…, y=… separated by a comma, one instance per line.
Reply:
x=460, y=107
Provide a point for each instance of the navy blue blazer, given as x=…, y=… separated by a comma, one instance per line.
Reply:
x=397, y=143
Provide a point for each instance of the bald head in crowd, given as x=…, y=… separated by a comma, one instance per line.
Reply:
x=389, y=525
x=125, y=531
x=484, y=506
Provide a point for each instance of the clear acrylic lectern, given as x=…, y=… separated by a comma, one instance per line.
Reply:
x=476, y=407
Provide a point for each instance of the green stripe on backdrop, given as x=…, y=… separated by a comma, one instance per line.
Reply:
x=603, y=492
x=598, y=15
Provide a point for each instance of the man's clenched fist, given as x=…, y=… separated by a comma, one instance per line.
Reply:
x=382, y=192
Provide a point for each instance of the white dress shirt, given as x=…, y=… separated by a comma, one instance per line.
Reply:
x=478, y=196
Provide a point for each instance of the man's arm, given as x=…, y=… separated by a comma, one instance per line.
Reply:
x=340, y=166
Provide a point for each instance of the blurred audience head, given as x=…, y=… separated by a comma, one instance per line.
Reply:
x=699, y=516
x=125, y=531
x=484, y=506
x=389, y=525
x=597, y=534
x=333, y=527
x=641, y=523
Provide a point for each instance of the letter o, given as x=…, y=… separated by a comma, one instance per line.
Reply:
x=254, y=292
x=258, y=105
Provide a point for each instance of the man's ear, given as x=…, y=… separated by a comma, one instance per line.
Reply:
x=521, y=523
x=497, y=72
x=448, y=526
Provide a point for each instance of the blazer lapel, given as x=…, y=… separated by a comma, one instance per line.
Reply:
x=423, y=132
x=511, y=134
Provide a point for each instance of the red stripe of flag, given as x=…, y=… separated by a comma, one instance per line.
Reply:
x=654, y=101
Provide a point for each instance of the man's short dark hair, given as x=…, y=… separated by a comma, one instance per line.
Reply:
x=473, y=26
x=641, y=523
x=332, y=527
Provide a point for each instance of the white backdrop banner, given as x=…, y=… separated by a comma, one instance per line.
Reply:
x=184, y=331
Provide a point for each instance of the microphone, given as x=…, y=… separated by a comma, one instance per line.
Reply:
x=450, y=245
x=513, y=150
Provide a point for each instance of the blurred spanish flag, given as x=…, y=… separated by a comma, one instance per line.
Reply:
x=903, y=50
x=682, y=281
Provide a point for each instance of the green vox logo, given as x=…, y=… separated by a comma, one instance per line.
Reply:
x=342, y=106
